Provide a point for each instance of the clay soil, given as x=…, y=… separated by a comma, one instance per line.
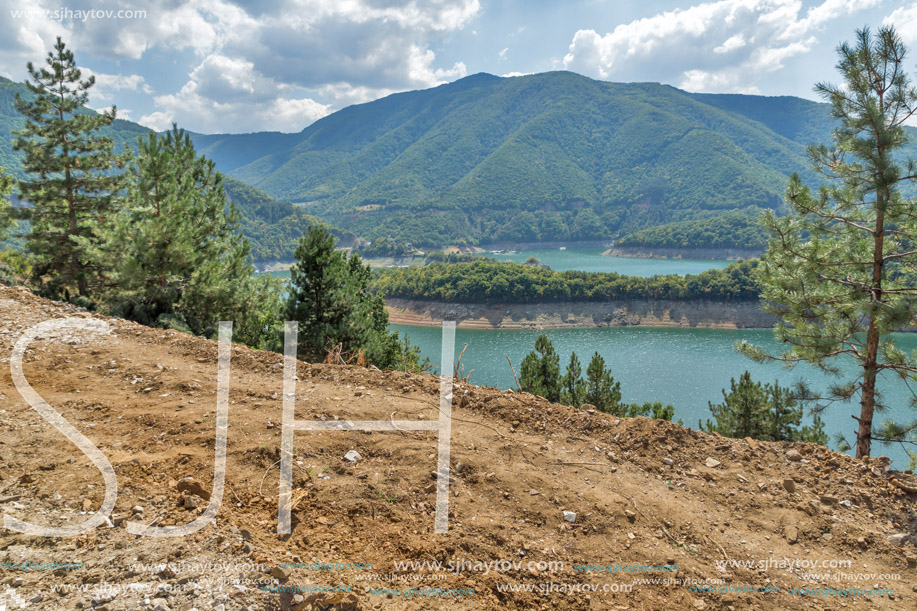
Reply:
x=644, y=493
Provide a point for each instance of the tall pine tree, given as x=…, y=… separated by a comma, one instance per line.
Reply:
x=70, y=192
x=839, y=268
x=175, y=254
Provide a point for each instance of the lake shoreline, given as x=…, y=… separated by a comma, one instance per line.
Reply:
x=650, y=252
x=701, y=314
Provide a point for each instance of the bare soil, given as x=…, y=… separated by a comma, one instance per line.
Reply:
x=644, y=492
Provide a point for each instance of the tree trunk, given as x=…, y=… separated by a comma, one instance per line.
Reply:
x=871, y=358
x=868, y=394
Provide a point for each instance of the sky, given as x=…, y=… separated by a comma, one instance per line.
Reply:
x=236, y=66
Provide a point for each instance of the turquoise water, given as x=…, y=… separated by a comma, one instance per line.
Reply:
x=591, y=260
x=684, y=367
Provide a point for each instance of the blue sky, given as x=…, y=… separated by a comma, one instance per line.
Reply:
x=243, y=65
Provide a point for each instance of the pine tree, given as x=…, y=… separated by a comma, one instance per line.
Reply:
x=176, y=258
x=839, y=267
x=329, y=296
x=768, y=412
x=743, y=412
x=70, y=192
x=783, y=413
x=601, y=388
x=574, y=388
x=539, y=372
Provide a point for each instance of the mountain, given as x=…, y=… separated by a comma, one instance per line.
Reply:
x=553, y=156
x=545, y=157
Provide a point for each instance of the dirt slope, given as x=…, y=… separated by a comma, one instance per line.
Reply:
x=645, y=493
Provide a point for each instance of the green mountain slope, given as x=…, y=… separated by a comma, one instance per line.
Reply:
x=553, y=156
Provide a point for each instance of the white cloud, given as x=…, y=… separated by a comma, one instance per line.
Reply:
x=107, y=84
x=904, y=20
x=421, y=71
x=712, y=46
x=229, y=95
x=355, y=47
x=502, y=54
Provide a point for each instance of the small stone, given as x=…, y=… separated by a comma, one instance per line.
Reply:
x=828, y=500
x=899, y=539
x=793, y=456
x=160, y=604
x=668, y=461
x=87, y=505
x=192, y=486
x=789, y=485
x=911, y=562
x=570, y=516
x=136, y=510
x=712, y=463
x=792, y=534
x=280, y=573
x=699, y=604
x=631, y=515
x=192, y=501
x=352, y=456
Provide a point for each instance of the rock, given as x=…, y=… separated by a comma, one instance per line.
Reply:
x=792, y=534
x=36, y=599
x=828, y=500
x=160, y=604
x=570, y=516
x=87, y=505
x=911, y=562
x=793, y=456
x=192, y=501
x=699, y=604
x=245, y=534
x=899, y=539
x=834, y=461
x=789, y=485
x=192, y=486
x=588, y=406
x=352, y=456
x=136, y=510
x=712, y=463
x=754, y=445
x=668, y=461
x=631, y=515
x=247, y=549
x=280, y=573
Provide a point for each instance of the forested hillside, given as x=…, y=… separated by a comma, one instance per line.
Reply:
x=554, y=156
x=546, y=157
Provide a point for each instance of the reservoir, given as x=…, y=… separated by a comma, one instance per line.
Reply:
x=687, y=368
x=683, y=367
